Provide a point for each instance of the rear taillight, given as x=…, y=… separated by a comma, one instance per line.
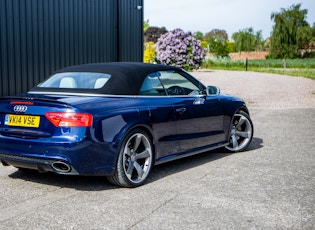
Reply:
x=68, y=119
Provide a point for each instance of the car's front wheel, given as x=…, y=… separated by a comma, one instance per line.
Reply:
x=241, y=132
x=135, y=160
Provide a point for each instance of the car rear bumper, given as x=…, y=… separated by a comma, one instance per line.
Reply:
x=42, y=165
x=85, y=158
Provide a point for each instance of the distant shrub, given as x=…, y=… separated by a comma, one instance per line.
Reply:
x=179, y=48
x=309, y=55
x=222, y=62
x=152, y=34
x=149, y=52
x=228, y=63
x=204, y=44
x=231, y=47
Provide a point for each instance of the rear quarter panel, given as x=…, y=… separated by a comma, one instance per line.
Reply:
x=113, y=117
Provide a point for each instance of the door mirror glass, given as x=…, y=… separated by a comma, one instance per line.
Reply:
x=213, y=90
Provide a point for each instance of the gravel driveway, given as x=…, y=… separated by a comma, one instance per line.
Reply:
x=262, y=90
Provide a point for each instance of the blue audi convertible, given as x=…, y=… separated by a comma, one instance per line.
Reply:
x=118, y=120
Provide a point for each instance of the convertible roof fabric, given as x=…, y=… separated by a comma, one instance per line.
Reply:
x=126, y=77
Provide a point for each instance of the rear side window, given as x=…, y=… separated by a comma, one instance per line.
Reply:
x=152, y=86
x=76, y=80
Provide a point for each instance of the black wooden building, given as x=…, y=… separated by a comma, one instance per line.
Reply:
x=38, y=37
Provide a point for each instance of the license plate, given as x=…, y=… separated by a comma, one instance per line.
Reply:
x=22, y=120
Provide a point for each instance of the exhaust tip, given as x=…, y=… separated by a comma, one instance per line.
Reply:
x=61, y=167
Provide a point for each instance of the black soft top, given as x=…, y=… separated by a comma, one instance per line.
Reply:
x=126, y=77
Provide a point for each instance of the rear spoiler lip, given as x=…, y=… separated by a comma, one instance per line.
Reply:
x=32, y=97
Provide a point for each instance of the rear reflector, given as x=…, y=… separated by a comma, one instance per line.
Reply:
x=67, y=119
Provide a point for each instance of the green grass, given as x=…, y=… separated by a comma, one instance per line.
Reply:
x=297, y=72
x=294, y=67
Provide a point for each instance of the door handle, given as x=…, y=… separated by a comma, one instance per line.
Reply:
x=181, y=110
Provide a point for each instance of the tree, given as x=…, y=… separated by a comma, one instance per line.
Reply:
x=290, y=32
x=244, y=40
x=303, y=37
x=218, y=48
x=259, y=41
x=179, y=48
x=146, y=25
x=313, y=32
x=152, y=34
x=247, y=40
x=220, y=35
x=198, y=35
x=217, y=42
x=231, y=47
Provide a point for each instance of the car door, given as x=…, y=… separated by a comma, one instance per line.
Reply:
x=199, y=122
x=158, y=108
x=199, y=118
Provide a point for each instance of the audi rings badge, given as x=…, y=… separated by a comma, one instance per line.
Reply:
x=20, y=108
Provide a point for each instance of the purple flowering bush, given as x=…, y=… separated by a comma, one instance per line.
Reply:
x=179, y=48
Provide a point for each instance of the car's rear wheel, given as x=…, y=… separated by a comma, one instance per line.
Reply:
x=241, y=133
x=135, y=160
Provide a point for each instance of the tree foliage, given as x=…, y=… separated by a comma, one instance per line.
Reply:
x=291, y=32
x=217, y=42
x=152, y=34
x=149, y=53
x=146, y=25
x=198, y=35
x=313, y=32
x=218, y=48
x=179, y=48
x=218, y=34
x=231, y=47
x=248, y=40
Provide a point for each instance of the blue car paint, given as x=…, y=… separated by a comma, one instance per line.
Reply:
x=93, y=151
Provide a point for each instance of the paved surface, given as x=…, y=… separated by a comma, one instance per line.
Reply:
x=270, y=186
x=262, y=90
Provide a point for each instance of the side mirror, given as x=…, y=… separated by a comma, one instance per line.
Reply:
x=213, y=90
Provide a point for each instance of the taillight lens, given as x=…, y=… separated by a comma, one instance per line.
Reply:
x=68, y=119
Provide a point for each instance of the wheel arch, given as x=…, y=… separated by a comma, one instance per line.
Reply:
x=127, y=129
x=120, y=176
x=242, y=108
x=243, y=111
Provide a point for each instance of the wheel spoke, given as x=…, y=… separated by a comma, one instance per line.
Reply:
x=144, y=154
x=240, y=122
x=234, y=141
x=139, y=169
x=130, y=168
x=137, y=142
x=127, y=151
x=242, y=134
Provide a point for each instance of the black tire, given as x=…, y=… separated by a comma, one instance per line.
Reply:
x=135, y=160
x=241, y=132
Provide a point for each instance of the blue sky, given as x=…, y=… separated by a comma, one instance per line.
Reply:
x=230, y=15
